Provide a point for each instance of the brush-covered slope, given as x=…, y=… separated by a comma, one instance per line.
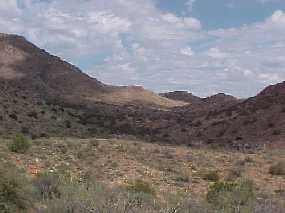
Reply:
x=259, y=119
x=42, y=95
x=197, y=104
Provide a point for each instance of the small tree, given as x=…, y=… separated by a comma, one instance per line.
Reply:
x=20, y=144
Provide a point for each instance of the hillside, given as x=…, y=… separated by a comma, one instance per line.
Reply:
x=196, y=103
x=259, y=119
x=41, y=96
x=53, y=78
x=182, y=96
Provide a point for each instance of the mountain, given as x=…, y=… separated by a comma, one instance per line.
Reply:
x=182, y=96
x=257, y=120
x=202, y=105
x=42, y=96
x=56, y=79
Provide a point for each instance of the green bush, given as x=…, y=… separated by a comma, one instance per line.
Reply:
x=15, y=189
x=231, y=197
x=20, y=144
x=277, y=169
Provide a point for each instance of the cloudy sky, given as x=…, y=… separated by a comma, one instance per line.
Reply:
x=204, y=46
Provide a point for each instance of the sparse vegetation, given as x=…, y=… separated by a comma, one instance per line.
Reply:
x=232, y=197
x=47, y=185
x=276, y=132
x=140, y=186
x=142, y=178
x=15, y=189
x=235, y=173
x=20, y=144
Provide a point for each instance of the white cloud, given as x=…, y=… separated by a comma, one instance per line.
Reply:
x=8, y=5
x=216, y=53
x=187, y=51
x=278, y=18
x=133, y=42
x=182, y=22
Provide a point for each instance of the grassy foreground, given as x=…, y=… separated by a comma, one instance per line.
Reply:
x=117, y=175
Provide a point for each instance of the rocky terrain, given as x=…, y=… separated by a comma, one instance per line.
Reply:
x=135, y=175
x=42, y=96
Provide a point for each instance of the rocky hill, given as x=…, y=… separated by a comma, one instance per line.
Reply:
x=197, y=104
x=41, y=96
x=56, y=79
x=182, y=96
x=256, y=120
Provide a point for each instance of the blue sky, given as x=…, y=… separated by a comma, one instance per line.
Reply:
x=224, y=13
x=203, y=46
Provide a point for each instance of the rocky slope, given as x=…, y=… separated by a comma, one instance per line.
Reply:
x=56, y=79
x=196, y=103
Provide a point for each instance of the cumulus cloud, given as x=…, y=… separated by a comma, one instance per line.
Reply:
x=134, y=42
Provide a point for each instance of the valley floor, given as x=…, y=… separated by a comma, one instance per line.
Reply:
x=167, y=169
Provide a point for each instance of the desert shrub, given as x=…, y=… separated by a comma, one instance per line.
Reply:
x=182, y=202
x=238, y=169
x=25, y=130
x=235, y=172
x=231, y=197
x=67, y=124
x=276, y=132
x=94, y=143
x=277, y=169
x=191, y=206
x=15, y=189
x=140, y=186
x=248, y=159
x=61, y=148
x=47, y=185
x=20, y=144
x=75, y=197
x=85, y=153
x=183, y=177
x=33, y=114
x=269, y=205
x=211, y=176
x=14, y=116
x=79, y=197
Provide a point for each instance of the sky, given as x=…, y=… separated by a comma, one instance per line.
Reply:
x=202, y=46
